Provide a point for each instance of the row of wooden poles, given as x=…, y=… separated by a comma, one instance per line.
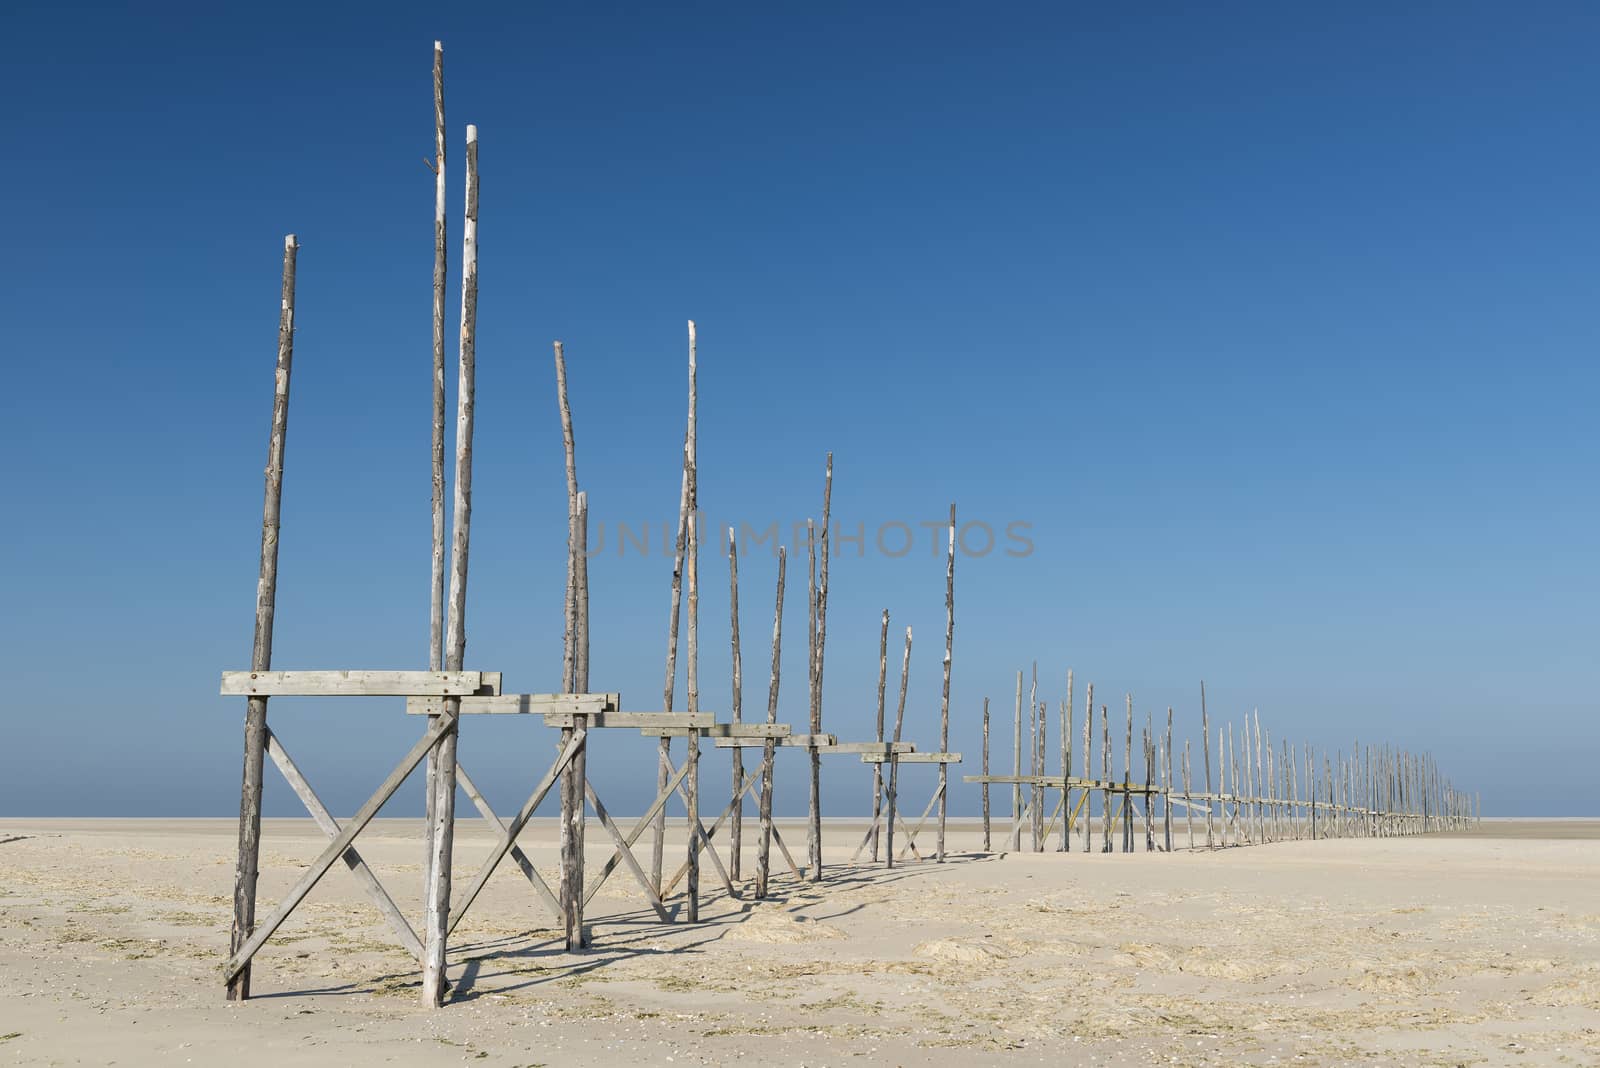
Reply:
x=447, y=641
x=1260, y=793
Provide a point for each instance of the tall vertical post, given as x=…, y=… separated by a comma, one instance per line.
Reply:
x=664, y=761
x=944, y=700
x=436, y=569
x=1127, y=783
x=818, y=647
x=769, y=747
x=894, y=760
x=691, y=680
x=572, y=799
x=736, y=824
x=437, y=918
x=248, y=865
x=1016, y=772
x=1105, y=778
x=877, y=769
x=1166, y=785
x=1088, y=768
x=988, y=842
x=1205, y=746
x=1066, y=768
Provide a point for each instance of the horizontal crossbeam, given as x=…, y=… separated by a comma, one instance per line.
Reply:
x=536, y=704
x=911, y=758
x=359, y=683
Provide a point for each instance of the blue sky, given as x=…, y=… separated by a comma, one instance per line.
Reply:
x=1275, y=325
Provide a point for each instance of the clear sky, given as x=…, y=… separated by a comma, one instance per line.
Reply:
x=1275, y=325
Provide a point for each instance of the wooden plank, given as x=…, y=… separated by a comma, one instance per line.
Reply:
x=912, y=758
x=870, y=747
x=350, y=683
x=714, y=730
x=510, y=704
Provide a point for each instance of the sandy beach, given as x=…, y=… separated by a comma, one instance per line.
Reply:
x=1475, y=948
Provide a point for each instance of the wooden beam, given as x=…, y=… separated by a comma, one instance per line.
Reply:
x=351, y=683
x=912, y=758
x=527, y=704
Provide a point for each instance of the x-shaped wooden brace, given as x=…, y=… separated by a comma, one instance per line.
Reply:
x=339, y=846
x=751, y=781
x=899, y=818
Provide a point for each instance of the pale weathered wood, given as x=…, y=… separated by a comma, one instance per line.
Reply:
x=819, y=644
x=644, y=822
x=335, y=849
x=1066, y=764
x=247, y=866
x=768, y=748
x=1188, y=804
x=1016, y=769
x=1205, y=746
x=736, y=825
x=1035, y=794
x=435, y=926
x=1088, y=737
x=1127, y=780
x=664, y=757
x=436, y=561
x=944, y=698
x=553, y=706
x=877, y=771
x=908, y=757
x=691, y=782
x=263, y=683
x=988, y=845
x=352, y=859
x=1105, y=774
x=894, y=765
x=1166, y=784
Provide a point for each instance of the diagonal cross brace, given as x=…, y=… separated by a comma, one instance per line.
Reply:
x=337, y=847
x=509, y=835
x=352, y=859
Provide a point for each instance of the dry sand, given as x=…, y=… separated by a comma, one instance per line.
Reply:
x=1479, y=948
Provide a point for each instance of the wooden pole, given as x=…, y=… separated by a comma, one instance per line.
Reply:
x=894, y=761
x=1066, y=768
x=1205, y=745
x=1166, y=785
x=987, y=841
x=736, y=820
x=1149, y=798
x=1188, y=805
x=819, y=646
x=444, y=802
x=944, y=700
x=1033, y=758
x=877, y=769
x=255, y=717
x=692, y=669
x=1088, y=736
x=436, y=569
x=1016, y=772
x=1127, y=783
x=570, y=888
x=1105, y=777
x=664, y=761
x=769, y=749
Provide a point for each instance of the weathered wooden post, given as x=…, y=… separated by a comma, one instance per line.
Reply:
x=1088, y=771
x=255, y=717
x=1205, y=746
x=691, y=696
x=736, y=820
x=944, y=700
x=819, y=639
x=1033, y=758
x=1166, y=785
x=894, y=760
x=436, y=571
x=572, y=782
x=987, y=841
x=1066, y=768
x=444, y=797
x=1127, y=783
x=1016, y=772
x=1105, y=778
x=769, y=746
x=877, y=769
x=664, y=762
